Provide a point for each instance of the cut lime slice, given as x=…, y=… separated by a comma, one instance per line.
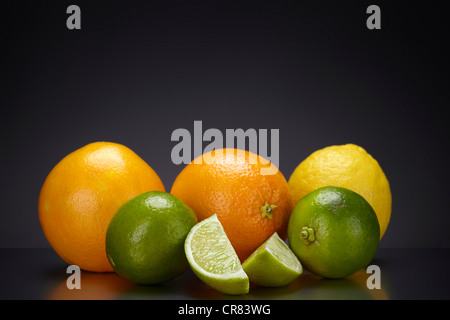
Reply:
x=273, y=264
x=213, y=259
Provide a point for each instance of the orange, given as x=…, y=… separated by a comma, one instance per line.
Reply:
x=229, y=182
x=83, y=192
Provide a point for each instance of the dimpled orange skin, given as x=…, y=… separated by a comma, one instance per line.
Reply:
x=234, y=188
x=83, y=192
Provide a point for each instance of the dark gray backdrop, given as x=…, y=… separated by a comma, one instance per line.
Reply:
x=137, y=70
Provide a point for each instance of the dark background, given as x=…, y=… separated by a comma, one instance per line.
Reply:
x=137, y=70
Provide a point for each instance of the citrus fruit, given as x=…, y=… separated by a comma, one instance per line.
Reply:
x=273, y=264
x=145, y=238
x=348, y=166
x=230, y=183
x=82, y=193
x=213, y=259
x=334, y=232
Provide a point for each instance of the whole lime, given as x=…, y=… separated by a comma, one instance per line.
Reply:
x=145, y=238
x=334, y=232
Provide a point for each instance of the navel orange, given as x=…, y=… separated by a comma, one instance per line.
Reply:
x=83, y=192
x=230, y=183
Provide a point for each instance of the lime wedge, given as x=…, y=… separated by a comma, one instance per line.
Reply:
x=273, y=264
x=213, y=259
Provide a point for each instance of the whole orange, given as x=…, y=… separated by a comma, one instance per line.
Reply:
x=83, y=192
x=229, y=182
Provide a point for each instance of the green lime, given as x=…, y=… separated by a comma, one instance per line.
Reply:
x=145, y=238
x=273, y=264
x=334, y=232
x=213, y=259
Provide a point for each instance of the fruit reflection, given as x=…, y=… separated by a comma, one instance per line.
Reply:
x=94, y=286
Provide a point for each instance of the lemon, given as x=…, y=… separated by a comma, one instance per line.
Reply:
x=273, y=264
x=348, y=166
x=334, y=232
x=145, y=238
x=213, y=259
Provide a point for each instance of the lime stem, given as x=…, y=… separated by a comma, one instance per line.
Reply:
x=307, y=234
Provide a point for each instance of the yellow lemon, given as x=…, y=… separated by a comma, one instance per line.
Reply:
x=348, y=166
